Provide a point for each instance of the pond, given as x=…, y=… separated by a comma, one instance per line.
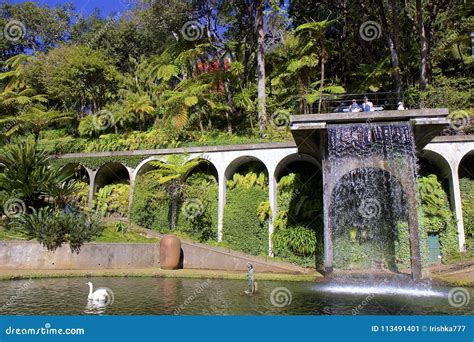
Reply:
x=175, y=296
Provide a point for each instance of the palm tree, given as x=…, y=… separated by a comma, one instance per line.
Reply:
x=25, y=170
x=172, y=175
x=34, y=119
x=140, y=105
x=16, y=74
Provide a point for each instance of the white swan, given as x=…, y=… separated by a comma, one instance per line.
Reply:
x=100, y=295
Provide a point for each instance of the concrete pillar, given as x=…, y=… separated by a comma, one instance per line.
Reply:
x=414, y=237
x=132, y=187
x=92, y=186
x=272, y=198
x=455, y=193
x=328, y=247
x=221, y=199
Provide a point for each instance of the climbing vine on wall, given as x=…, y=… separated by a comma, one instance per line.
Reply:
x=95, y=163
x=246, y=213
x=467, y=198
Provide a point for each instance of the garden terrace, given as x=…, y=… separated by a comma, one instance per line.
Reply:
x=451, y=155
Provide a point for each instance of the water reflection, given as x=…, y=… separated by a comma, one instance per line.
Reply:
x=95, y=308
x=157, y=296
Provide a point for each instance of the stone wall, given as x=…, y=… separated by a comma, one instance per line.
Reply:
x=32, y=255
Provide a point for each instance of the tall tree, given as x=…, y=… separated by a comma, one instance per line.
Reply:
x=261, y=106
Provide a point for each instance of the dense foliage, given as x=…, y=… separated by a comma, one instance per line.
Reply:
x=298, y=227
x=467, y=198
x=112, y=200
x=246, y=213
x=195, y=207
x=184, y=72
x=37, y=199
x=187, y=73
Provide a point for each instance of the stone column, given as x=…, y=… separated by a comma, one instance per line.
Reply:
x=132, y=175
x=328, y=186
x=456, y=205
x=92, y=186
x=221, y=203
x=272, y=198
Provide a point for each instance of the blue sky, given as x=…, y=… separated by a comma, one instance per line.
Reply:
x=85, y=7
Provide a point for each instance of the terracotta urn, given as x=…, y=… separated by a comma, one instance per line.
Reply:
x=170, y=252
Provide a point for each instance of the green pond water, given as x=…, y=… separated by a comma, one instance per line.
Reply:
x=165, y=296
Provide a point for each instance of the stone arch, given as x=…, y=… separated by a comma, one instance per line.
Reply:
x=144, y=165
x=240, y=222
x=430, y=159
x=111, y=172
x=238, y=162
x=205, y=166
x=294, y=158
x=466, y=165
x=78, y=171
x=303, y=206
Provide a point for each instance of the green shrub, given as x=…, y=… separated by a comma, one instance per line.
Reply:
x=298, y=225
x=436, y=216
x=299, y=240
x=197, y=214
x=242, y=228
x=112, y=200
x=467, y=200
x=150, y=204
x=82, y=195
x=349, y=254
x=53, y=228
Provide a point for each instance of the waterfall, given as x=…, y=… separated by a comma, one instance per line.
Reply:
x=370, y=173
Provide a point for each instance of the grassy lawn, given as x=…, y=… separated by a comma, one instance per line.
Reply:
x=131, y=235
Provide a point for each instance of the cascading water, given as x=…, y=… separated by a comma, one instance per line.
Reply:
x=370, y=177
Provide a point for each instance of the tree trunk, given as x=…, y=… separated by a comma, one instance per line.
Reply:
x=323, y=63
x=262, y=115
x=423, y=41
x=393, y=33
x=174, y=205
x=229, y=123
